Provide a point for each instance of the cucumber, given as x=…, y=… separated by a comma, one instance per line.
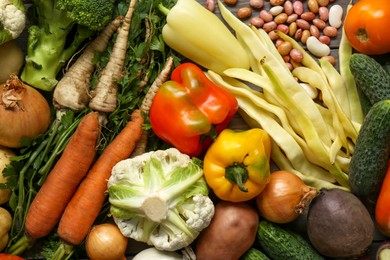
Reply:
x=372, y=150
x=370, y=77
x=280, y=243
x=254, y=254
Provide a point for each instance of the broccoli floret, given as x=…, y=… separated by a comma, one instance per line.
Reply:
x=58, y=28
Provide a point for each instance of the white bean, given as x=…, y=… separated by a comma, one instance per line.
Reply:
x=311, y=91
x=275, y=10
x=335, y=16
x=316, y=47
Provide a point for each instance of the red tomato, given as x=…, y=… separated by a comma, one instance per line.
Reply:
x=367, y=26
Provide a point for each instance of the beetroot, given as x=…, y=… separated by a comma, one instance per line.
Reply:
x=339, y=225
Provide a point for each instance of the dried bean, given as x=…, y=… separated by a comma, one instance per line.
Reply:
x=278, y=42
x=298, y=7
x=283, y=28
x=276, y=10
x=210, y=5
x=320, y=24
x=270, y=26
x=284, y=48
x=292, y=29
x=298, y=34
x=335, y=16
x=296, y=55
x=281, y=18
x=313, y=6
x=324, y=39
x=289, y=66
x=330, y=31
x=329, y=58
x=295, y=64
x=272, y=35
x=323, y=2
x=256, y=4
x=292, y=18
x=308, y=16
x=305, y=35
x=288, y=7
x=244, y=12
x=323, y=12
x=304, y=25
x=266, y=15
x=230, y=2
x=314, y=31
x=276, y=2
x=316, y=47
x=257, y=22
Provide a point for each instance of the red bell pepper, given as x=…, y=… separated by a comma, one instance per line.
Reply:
x=189, y=110
x=382, y=211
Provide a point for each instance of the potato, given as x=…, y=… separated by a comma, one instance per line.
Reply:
x=5, y=155
x=11, y=60
x=231, y=233
x=5, y=226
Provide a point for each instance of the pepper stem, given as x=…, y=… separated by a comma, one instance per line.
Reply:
x=163, y=9
x=238, y=174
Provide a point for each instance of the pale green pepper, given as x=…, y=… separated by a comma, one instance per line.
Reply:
x=199, y=35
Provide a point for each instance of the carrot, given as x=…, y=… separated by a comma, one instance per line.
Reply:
x=104, y=96
x=72, y=91
x=147, y=103
x=88, y=200
x=61, y=183
x=55, y=193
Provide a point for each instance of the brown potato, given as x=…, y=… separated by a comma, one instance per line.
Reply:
x=11, y=60
x=230, y=234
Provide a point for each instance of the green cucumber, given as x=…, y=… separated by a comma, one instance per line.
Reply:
x=370, y=77
x=372, y=150
x=254, y=254
x=280, y=243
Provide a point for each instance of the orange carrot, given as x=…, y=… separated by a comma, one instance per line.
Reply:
x=104, y=96
x=88, y=200
x=55, y=193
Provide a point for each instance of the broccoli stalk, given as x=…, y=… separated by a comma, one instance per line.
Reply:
x=58, y=28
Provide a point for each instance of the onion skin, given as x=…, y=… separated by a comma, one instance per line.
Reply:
x=284, y=198
x=24, y=112
x=339, y=225
x=106, y=242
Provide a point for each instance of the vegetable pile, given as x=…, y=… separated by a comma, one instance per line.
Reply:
x=179, y=129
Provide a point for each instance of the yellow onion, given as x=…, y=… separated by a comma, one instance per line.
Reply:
x=106, y=242
x=284, y=197
x=24, y=112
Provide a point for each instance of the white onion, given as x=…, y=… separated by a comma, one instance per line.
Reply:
x=24, y=112
x=106, y=242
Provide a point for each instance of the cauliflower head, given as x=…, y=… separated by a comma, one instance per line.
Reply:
x=12, y=19
x=160, y=198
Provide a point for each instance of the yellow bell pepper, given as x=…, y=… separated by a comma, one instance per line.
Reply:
x=237, y=165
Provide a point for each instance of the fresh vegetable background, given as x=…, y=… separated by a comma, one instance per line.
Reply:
x=201, y=129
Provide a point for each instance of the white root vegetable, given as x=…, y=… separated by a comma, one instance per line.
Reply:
x=147, y=102
x=72, y=91
x=104, y=96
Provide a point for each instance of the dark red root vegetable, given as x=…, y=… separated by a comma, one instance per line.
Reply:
x=339, y=225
